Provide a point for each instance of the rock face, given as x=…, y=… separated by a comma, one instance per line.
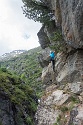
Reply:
x=47, y=114
x=62, y=103
x=6, y=113
x=44, y=57
x=9, y=113
x=72, y=70
x=76, y=116
x=43, y=39
x=69, y=15
x=59, y=107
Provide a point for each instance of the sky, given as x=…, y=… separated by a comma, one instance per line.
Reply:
x=17, y=32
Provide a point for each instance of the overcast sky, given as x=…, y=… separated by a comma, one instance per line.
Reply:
x=16, y=30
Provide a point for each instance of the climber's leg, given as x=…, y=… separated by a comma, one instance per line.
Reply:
x=53, y=64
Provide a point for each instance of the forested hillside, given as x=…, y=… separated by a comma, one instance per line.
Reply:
x=27, y=67
x=18, y=101
x=20, y=88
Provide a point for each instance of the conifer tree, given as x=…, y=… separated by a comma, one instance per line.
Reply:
x=37, y=10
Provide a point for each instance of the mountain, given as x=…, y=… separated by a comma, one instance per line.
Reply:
x=20, y=87
x=25, y=64
x=8, y=56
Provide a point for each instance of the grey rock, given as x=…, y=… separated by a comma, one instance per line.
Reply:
x=70, y=16
x=77, y=87
x=6, y=113
x=43, y=39
x=72, y=69
x=76, y=116
x=44, y=57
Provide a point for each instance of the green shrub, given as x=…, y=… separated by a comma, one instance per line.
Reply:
x=57, y=36
x=4, y=69
x=29, y=121
x=64, y=109
x=58, y=120
x=74, y=99
x=57, y=40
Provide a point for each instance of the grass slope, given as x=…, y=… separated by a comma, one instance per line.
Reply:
x=26, y=66
x=21, y=97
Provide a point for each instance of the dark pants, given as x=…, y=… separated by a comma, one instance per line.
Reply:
x=53, y=64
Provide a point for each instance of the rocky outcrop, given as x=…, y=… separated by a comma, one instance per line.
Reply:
x=43, y=39
x=69, y=15
x=67, y=80
x=15, y=100
x=44, y=57
x=62, y=102
x=9, y=112
x=58, y=106
x=72, y=69
x=76, y=116
x=6, y=112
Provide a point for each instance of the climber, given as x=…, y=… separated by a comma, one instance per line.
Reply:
x=52, y=59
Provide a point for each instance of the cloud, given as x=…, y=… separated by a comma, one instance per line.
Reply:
x=16, y=31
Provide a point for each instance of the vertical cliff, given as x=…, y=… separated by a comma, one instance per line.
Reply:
x=62, y=102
